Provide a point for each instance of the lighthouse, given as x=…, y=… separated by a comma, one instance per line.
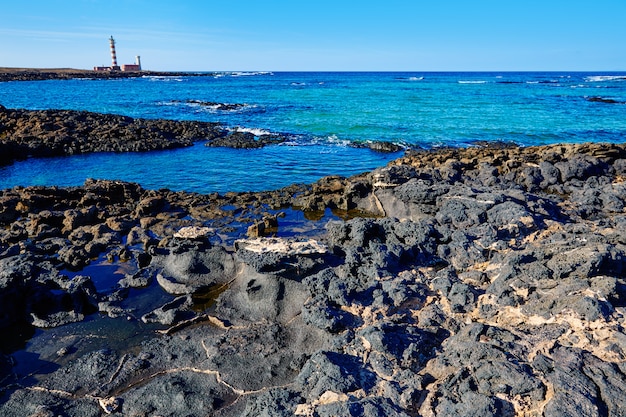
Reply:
x=114, y=66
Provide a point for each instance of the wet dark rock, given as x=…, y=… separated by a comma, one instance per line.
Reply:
x=379, y=146
x=171, y=313
x=52, y=310
x=602, y=100
x=33, y=292
x=246, y=140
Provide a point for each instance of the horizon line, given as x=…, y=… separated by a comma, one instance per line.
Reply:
x=5, y=68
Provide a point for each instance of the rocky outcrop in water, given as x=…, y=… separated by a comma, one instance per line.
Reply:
x=44, y=133
x=461, y=282
x=246, y=140
x=40, y=133
x=603, y=100
x=380, y=146
x=214, y=105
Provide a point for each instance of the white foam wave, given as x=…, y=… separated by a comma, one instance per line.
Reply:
x=605, y=78
x=334, y=140
x=209, y=107
x=162, y=78
x=254, y=130
x=290, y=143
x=416, y=78
x=249, y=74
x=472, y=82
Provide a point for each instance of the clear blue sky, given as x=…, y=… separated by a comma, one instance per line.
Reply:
x=318, y=35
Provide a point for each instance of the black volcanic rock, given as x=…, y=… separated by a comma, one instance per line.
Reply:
x=486, y=281
x=379, y=146
x=246, y=140
x=43, y=133
x=64, y=132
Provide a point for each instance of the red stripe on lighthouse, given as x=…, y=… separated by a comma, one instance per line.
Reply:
x=113, y=58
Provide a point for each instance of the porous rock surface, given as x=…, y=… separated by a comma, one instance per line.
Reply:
x=459, y=282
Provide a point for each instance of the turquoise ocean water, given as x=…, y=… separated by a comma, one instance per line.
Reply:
x=323, y=113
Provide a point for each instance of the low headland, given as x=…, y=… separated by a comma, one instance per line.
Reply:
x=483, y=281
x=41, y=74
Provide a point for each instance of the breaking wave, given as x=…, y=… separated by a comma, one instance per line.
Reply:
x=604, y=78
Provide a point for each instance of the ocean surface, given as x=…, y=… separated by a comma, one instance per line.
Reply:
x=323, y=113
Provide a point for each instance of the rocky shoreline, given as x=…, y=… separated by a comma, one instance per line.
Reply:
x=46, y=133
x=486, y=281
x=35, y=74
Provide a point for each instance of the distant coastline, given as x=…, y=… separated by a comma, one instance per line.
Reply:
x=40, y=74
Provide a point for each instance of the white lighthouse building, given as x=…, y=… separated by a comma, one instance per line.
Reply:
x=114, y=67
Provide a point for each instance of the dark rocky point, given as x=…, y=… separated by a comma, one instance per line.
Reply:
x=35, y=74
x=45, y=133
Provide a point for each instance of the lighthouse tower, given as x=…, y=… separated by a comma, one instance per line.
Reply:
x=114, y=66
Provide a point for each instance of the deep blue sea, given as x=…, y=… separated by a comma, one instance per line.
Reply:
x=324, y=113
